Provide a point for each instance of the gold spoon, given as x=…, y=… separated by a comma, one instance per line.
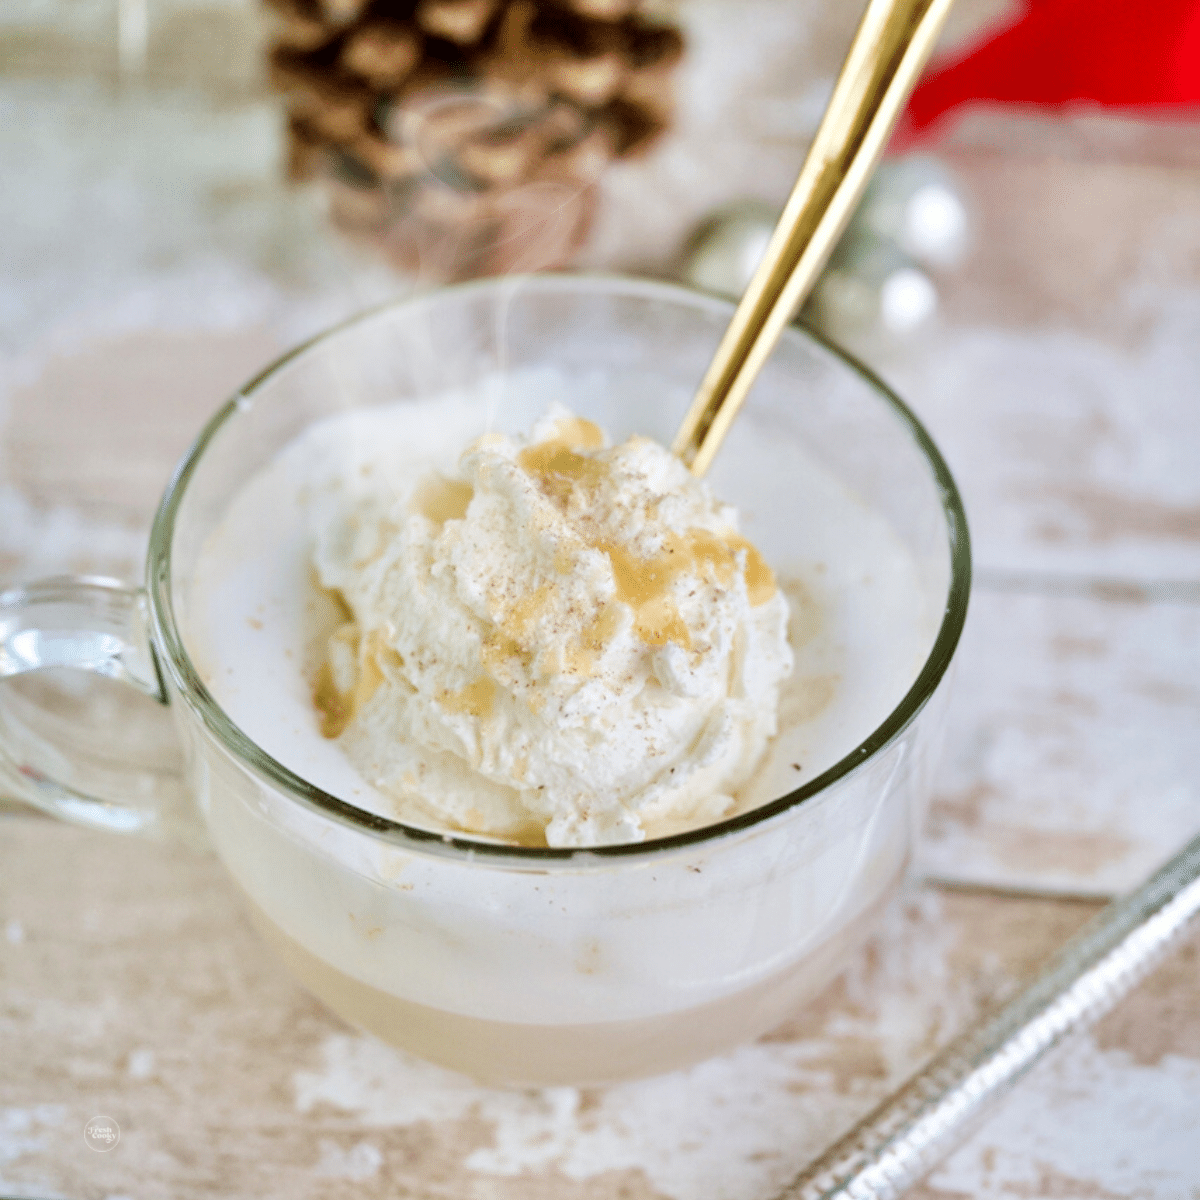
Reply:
x=893, y=41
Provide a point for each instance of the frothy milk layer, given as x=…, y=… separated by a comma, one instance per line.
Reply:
x=257, y=622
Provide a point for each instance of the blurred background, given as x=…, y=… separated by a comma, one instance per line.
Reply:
x=221, y=177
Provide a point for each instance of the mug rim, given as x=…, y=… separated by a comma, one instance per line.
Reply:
x=169, y=647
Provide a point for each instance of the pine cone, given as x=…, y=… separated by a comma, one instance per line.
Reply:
x=465, y=137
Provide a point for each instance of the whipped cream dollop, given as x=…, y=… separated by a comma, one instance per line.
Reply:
x=564, y=643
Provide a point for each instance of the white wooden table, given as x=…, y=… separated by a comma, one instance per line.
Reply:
x=151, y=263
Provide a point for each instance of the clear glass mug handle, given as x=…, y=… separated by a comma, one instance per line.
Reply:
x=95, y=625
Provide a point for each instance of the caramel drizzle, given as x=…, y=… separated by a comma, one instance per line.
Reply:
x=560, y=471
x=441, y=499
x=477, y=699
x=581, y=658
x=338, y=708
x=760, y=579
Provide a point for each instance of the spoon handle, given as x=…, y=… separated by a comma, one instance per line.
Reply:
x=902, y=1140
x=893, y=41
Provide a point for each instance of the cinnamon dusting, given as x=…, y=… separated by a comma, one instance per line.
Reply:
x=560, y=466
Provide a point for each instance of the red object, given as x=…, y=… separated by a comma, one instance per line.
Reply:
x=1141, y=55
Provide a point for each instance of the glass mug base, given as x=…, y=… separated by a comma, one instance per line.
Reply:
x=513, y=1054
x=798, y=879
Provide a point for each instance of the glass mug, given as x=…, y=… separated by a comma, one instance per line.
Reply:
x=528, y=965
